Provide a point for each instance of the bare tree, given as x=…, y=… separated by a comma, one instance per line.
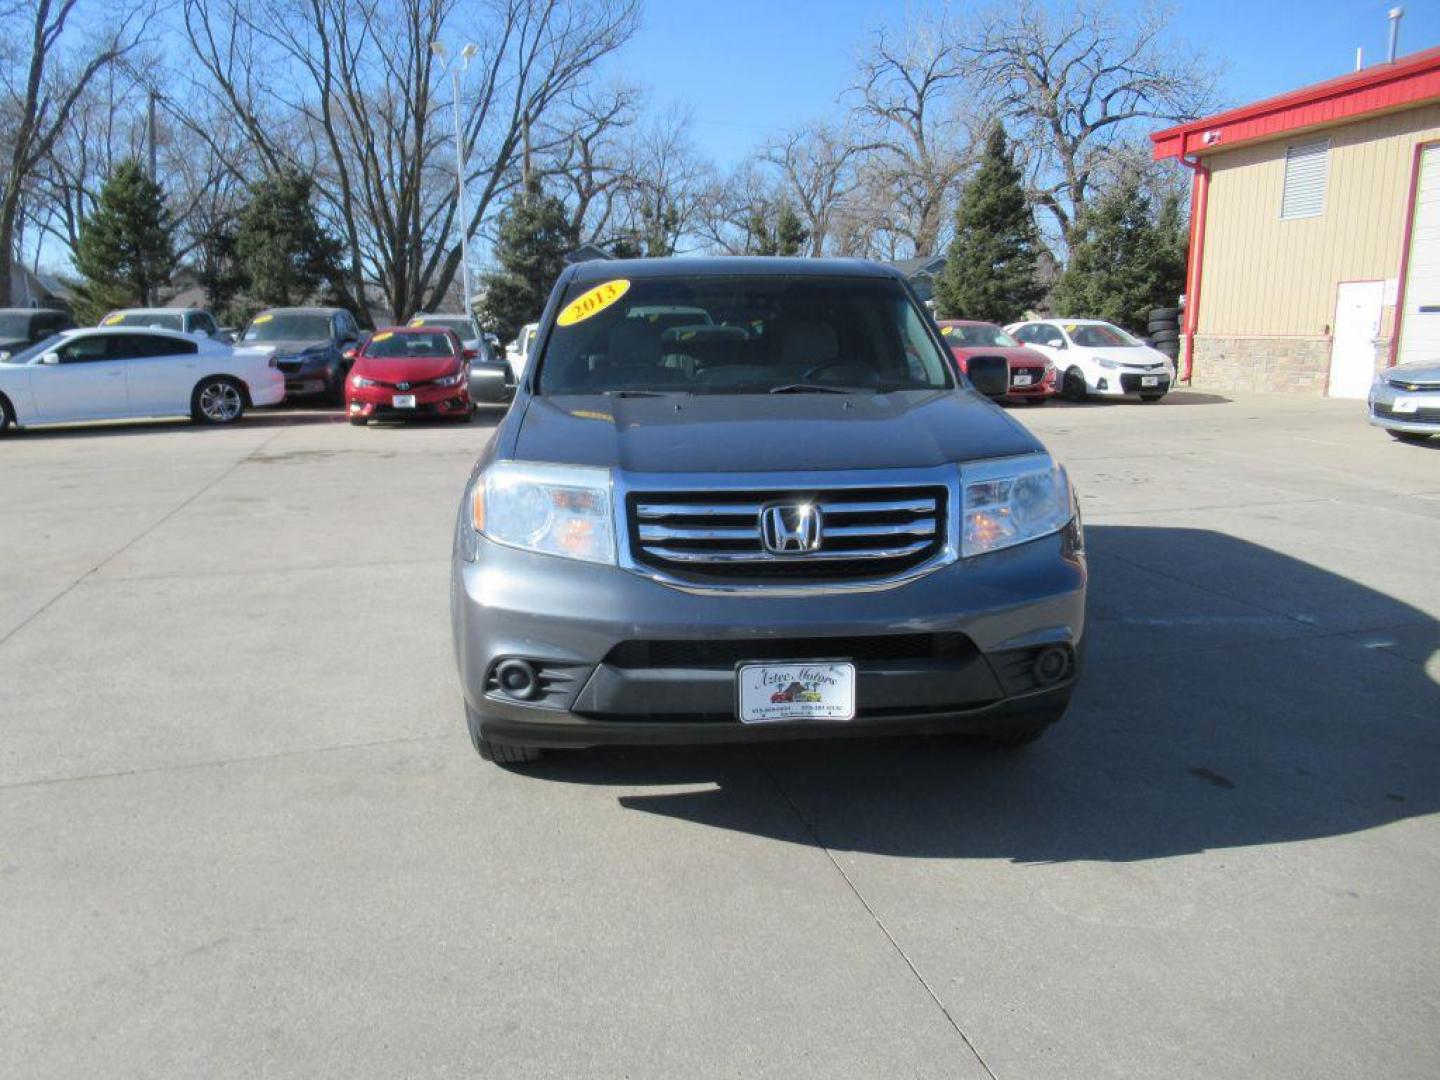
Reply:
x=43, y=72
x=818, y=169
x=734, y=209
x=593, y=154
x=911, y=110
x=1074, y=89
x=666, y=185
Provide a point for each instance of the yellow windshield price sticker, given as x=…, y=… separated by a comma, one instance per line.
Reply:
x=417, y=321
x=947, y=330
x=113, y=320
x=384, y=336
x=593, y=302
x=261, y=319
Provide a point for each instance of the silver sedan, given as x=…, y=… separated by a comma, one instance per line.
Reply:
x=1405, y=401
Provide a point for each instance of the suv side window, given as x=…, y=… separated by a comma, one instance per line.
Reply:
x=203, y=324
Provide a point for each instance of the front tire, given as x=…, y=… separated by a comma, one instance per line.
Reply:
x=217, y=401
x=1074, y=387
x=7, y=416
x=497, y=753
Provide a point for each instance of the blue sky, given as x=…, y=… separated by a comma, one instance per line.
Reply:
x=748, y=67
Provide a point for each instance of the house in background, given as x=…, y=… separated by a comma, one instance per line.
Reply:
x=921, y=272
x=32, y=290
x=1315, y=233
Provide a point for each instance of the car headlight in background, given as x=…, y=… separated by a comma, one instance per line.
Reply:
x=1108, y=365
x=1011, y=501
x=552, y=509
x=451, y=380
x=360, y=382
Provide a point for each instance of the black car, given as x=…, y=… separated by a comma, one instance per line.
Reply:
x=22, y=327
x=310, y=345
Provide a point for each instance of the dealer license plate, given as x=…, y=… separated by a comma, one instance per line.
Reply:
x=403, y=401
x=1149, y=380
x=818, y=691
x=1023, y=380
x=1405, y=405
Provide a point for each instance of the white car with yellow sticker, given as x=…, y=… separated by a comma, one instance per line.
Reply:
x=118, y=373
x=1097, y=358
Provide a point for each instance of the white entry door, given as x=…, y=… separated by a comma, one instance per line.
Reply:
x=1357, y=325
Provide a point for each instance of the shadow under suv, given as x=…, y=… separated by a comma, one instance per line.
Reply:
x=788, y=518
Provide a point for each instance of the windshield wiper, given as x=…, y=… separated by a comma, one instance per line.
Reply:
x=643, y=393
x=813, y=388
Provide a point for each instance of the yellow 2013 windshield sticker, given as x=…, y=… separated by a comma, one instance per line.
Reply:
x=947, y=330
x=113, y=320
x=384, y=335
x=259, y=319
x=593, y=302
x=417, y=321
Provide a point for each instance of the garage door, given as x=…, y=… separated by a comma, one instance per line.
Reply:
x=1420, y=324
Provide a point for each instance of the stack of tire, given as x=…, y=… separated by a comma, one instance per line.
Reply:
x=1164, y=331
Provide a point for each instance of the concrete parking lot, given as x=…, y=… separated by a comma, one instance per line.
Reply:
x=243, y=833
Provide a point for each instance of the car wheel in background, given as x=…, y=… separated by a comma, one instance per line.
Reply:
x=1165, y=337
x=358, y=421
x=498, y=753
x=1074, y=385
x=335, y=394
x=218, y=401
x=6, y=416
x=1402, y=436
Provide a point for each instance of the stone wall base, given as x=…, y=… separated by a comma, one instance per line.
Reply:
x=1268, y=365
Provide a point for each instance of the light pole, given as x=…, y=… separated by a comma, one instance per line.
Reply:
x=456, y=69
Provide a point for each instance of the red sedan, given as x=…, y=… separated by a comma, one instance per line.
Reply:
x=1032, y=377
x=406, y=371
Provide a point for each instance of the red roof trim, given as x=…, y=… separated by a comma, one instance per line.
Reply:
x=1411, y=80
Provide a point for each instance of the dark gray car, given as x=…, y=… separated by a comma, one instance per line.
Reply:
x=22, y=327
x=783, y=520
x=310, y=345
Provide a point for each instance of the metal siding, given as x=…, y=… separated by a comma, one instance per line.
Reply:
x=1420, y=330
x=1265, y=275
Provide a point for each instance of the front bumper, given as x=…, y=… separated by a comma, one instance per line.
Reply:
x=625, y=659
x=1421, y=415
x=379, y=402
x=1122, y=383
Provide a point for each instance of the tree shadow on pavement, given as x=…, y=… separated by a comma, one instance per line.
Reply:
x=1244, y=698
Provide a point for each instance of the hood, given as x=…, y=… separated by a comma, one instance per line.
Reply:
x=1016, y=354
x=413, y=369
x=287, y=348
x=761, y=432
x=1424, y=372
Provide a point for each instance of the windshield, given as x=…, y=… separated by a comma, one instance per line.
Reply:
x=1100, y=336
x=14, y=326
x=390, y=345
x=34, y=352
x=464, y=328
x=741, y=335
x=977, y=336
x=156, y=320
x=284, y=327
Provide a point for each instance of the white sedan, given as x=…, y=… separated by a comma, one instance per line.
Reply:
x=114, y=373
x=1095, y=357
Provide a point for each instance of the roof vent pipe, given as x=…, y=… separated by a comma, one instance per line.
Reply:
x=1396, y=13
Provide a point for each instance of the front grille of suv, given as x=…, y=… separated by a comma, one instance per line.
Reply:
x=865, y=532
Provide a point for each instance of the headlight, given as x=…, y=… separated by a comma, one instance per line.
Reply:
x=1108, y=365
x=360, y=382
x=451, y=380
x=1012, y=500
x=553, y=509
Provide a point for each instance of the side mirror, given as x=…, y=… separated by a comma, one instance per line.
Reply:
x=50, y=359
x=471, y=354
x=1056, y=343
x=348, y=354
x=990, y=374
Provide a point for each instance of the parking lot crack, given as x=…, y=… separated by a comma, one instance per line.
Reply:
x=814, y=834
x=141, y=535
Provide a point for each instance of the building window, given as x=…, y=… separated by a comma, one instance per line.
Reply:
x=1306, y=167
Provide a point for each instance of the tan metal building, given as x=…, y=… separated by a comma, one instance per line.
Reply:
x=1315, y=233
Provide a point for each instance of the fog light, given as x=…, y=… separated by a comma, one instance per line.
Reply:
x=1052, y=665
x=517, y=679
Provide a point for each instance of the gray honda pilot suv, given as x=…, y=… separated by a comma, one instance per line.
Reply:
x=742, y=499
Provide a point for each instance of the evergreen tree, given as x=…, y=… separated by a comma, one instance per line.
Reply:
x=219, y=271
x=790, y=231
x=535, y=235
x=284, y=253
x=1128, y=260
x=780, y=232
x=125, y=250
x=990, y=269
